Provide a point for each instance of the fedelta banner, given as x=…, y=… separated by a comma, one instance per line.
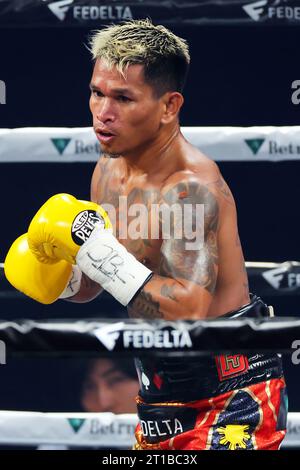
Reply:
x=93, y=13
x=144, y=336
x=219, y=143
x=274, y=279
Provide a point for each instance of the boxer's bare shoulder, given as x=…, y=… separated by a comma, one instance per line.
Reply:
x=200, y=172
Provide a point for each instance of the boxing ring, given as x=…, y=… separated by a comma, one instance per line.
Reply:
x=131, y=337
x=125, y=338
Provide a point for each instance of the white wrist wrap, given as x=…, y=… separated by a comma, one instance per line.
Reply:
x=74, y=282
x=104, y=260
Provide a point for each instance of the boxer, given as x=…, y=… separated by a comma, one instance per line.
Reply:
x=157, y=264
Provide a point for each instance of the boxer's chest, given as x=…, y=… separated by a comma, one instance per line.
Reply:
x=134, y=211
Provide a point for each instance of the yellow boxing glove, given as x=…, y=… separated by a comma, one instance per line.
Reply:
x=80, y=232
x=42, y=282
x=62, y=225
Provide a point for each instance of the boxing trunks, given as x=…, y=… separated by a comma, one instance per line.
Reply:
x=225, y=402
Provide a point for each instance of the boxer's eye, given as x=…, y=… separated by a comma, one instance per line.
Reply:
x=97, y=93
x=123, y=99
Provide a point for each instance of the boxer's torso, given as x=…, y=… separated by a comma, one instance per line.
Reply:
x=120, y=193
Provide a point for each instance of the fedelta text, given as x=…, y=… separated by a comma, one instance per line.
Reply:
x=103, y=12
x=157, y=339
x=284, y=12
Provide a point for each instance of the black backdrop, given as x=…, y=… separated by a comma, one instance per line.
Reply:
x=240, y=76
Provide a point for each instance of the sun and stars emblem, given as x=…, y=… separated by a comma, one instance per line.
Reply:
x=234, y=435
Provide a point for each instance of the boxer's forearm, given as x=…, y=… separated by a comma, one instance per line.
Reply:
x=88, y=291
x=169, y=299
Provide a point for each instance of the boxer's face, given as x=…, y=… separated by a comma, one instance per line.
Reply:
x=107, y=389
x=126, y=113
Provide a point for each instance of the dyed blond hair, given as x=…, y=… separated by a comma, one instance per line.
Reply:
x=164, y=55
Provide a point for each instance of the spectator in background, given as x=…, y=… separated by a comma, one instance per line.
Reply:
x=110, y=386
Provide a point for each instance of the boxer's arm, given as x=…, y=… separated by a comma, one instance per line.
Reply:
x=186, y=280
x=89, y=289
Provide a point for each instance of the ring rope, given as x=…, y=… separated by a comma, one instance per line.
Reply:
x=105, y=430
x=131, y=336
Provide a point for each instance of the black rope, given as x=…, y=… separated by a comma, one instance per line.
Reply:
x=67, y=338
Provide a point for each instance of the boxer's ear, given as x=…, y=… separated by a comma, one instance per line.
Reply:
x=172, y=102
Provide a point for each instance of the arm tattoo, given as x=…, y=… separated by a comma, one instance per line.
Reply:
x=144, y=306
x=168, y=291
x=223, y=190
x=198, y=266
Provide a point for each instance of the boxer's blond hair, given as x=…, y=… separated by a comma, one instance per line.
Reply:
x=164, y=55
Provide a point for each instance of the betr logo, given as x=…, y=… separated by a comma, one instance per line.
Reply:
x=2, y=92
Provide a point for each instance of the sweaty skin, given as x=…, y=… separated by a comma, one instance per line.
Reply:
x=148, y=161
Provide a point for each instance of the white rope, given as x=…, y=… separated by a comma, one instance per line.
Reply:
x=89, y=429
x=249, y=264
x=71, y=429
